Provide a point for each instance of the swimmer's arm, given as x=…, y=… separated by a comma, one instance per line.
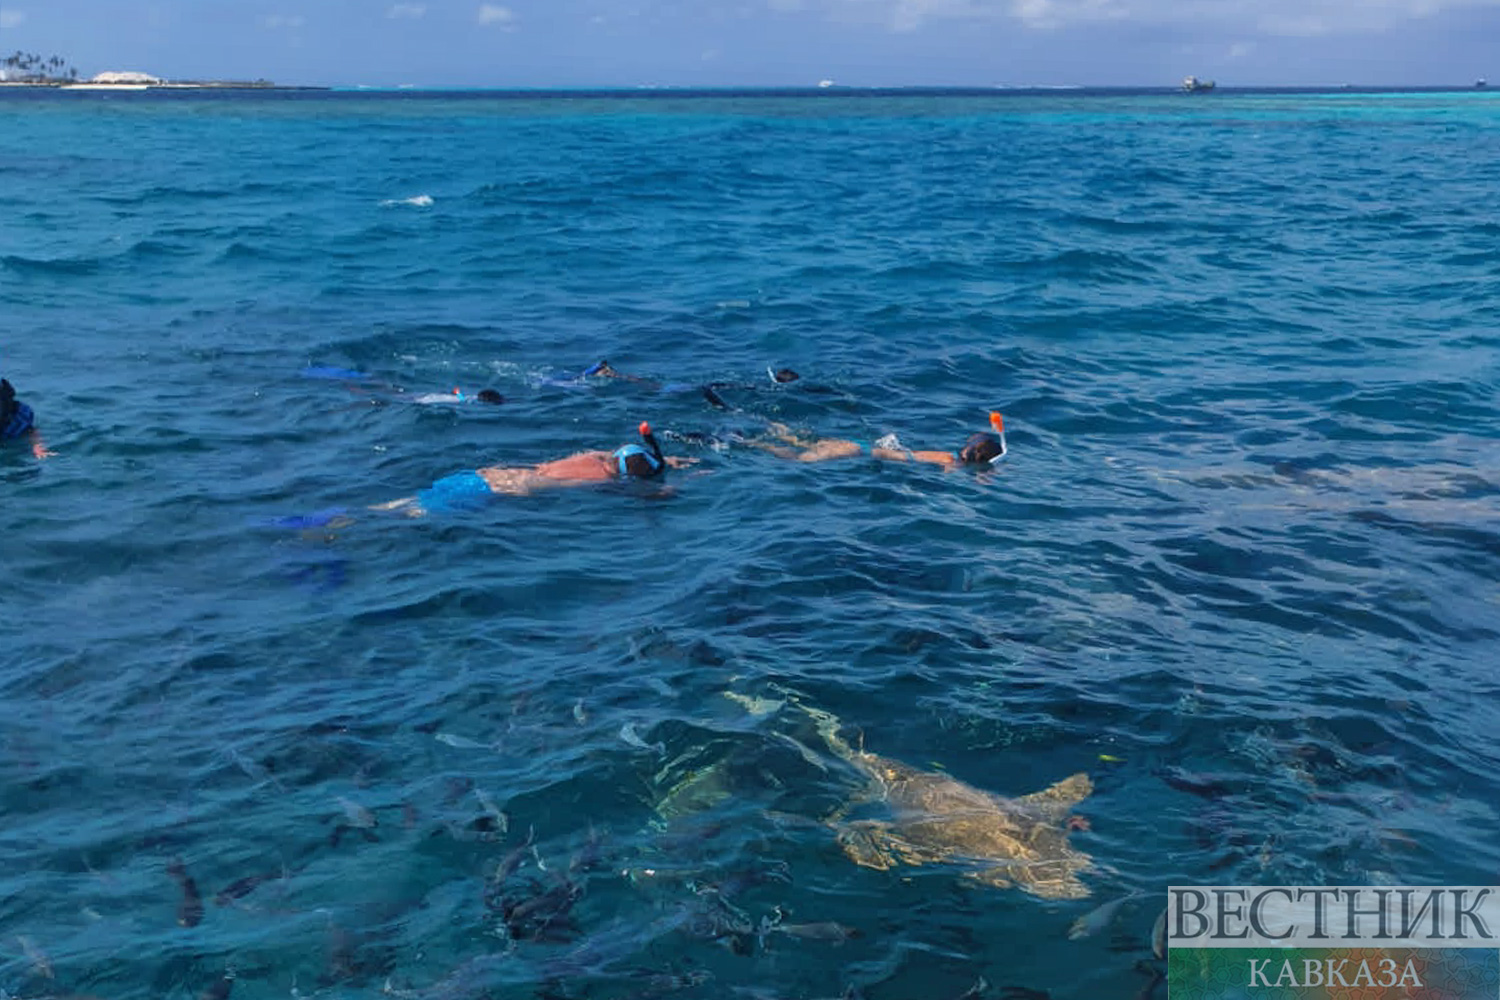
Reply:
x=675, y=462
x=39, y=449
x=780, y=451
x=782, y=432
x=803, y=450
x=942, y=458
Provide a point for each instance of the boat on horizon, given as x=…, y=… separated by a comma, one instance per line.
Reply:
x=1192, y=84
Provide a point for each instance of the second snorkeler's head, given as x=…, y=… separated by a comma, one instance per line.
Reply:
x=980, y=448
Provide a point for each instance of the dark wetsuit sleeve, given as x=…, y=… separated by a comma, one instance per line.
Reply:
x=18, y=422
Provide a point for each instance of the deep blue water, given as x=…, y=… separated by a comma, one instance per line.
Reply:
x=1240, y=564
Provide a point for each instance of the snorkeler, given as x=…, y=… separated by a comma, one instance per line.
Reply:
x=361, y=382
x=464, y=490
x=456, y=397
x=709, y=391
x=983, y=448
x=17, y=420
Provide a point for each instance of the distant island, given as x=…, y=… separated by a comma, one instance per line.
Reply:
x=25, y=69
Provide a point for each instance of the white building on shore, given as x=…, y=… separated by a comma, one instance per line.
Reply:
x=125, y=77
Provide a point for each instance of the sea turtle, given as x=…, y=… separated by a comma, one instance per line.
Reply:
x=1018, y=842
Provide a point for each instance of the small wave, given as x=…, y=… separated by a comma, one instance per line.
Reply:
x=160, y=248
x=60, y=265
x=419, y=201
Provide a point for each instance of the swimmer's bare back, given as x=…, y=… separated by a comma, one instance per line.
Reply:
x=584, y=467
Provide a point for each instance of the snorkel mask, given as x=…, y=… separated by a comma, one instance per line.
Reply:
x=985, y=447
x=652, y=459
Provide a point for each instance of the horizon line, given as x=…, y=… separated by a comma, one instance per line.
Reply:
x=823, y=87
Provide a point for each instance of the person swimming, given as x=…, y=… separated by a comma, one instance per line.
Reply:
x=17, y=421
x=469, y=489
x=983, y=448
x=456, y=397
x=709, y=391
x=382, y=392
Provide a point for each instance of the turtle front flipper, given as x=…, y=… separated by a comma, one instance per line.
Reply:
x=1054, y=801
x=868, y=843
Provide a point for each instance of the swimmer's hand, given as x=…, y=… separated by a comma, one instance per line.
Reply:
x=39, y=449
x=406, y=507
x=680, y=463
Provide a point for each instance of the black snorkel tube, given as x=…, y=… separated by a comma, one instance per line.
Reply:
x=650, y=439
x=8, y=402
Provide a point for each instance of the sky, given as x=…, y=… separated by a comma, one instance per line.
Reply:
x=629, y=43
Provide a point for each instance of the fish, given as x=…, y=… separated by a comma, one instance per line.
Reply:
x=461, y=742
x=540, y=913
x=630, y=736
x=1204, y=785
x=220, y=988
x=190, y=910
x=587, y=858
x=508, y=864
x=981, y=985
x=40, y=963
x=360, y=817
x=240, y=888
x=455, y=788
x=338, y=834
x=1098, y=918
x=1020, y=842
x=501, y=820
x=823, y=930
x=1156, y=978
x=1159, y=936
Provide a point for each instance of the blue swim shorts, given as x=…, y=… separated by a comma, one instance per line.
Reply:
x=460, y=491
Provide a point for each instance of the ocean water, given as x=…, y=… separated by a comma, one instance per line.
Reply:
x=1241, y=565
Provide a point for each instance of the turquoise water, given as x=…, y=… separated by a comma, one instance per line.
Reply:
x=1240, y=565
